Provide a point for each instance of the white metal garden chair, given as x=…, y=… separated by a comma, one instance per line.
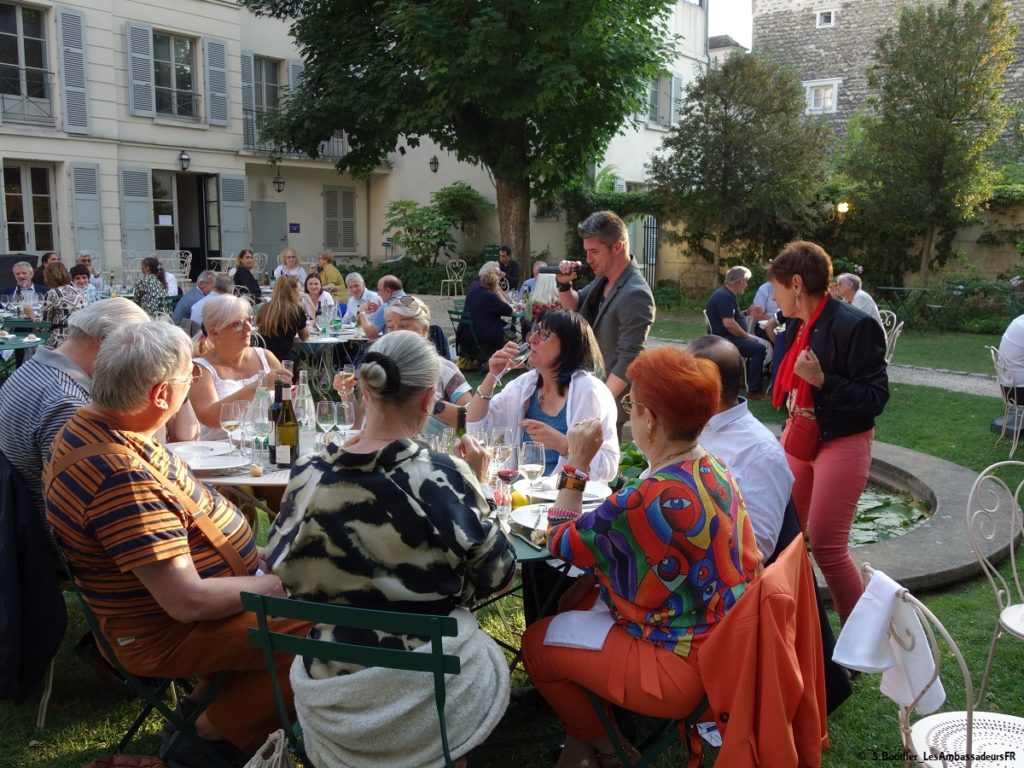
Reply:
x=889, y=321
x=452, y=285
x=890, y=341
x=937, y=740
x=994, y=515
x=1012, y=411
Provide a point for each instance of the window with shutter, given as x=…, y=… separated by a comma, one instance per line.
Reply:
x=215, y=65
x=74, y=82
x=340, y=219
x=234, y=224
x=85, y=207
x=677, y=98
x=137, y=210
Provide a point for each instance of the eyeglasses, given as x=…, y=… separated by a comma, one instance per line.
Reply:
x=408, y=301
x=238, y=325
x=627, y=403
x=192, y=378
x=541, y=334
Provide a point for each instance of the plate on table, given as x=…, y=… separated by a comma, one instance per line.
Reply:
x=197, y=449
x=594, y=493
x=218, y=464
x=531, y=516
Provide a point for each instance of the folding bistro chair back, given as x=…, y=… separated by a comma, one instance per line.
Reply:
x=890, y=341
x=437, y=662
x=1012, y=410
x=452, y=284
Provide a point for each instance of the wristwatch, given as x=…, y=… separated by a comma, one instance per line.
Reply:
x=439, y=407
x=564, y=287
x=572, y=478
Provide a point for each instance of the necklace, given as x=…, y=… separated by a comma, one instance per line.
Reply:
x=693, y=452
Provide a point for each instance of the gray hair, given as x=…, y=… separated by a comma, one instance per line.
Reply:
x=135, y=358
x=489, y=266
x=99, y=319
x=735, y=274
x=607, y=227
x=22, y=264
x=355, y=276
x=224, y=284
x=410, y=308
x=416, y=363
x=207, y=276
x=850, y=279
x=222, y=310
x=83, y=255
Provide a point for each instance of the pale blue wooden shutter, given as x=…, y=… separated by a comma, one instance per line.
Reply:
x=340, y=218
x=3, y=227
x=85, y=207
x=137, y=210
x=234, y=216
x=294, y=74
x=74, y=81
x=141, y=96
x=677, y=97
x=248, y=101
x=215, y=65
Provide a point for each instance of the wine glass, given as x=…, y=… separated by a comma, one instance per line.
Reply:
x=345, y=415
x=325, y=419
x=231, y=416
x=531, y=462
x=501, y=446
x=5, y=301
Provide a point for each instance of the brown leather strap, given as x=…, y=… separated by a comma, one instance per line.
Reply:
x=213, y=534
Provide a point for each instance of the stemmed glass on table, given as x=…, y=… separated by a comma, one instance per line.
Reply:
x=501, y=452
x=345, y=415
x=531, y=462
x=325, y=419
x=231, y=417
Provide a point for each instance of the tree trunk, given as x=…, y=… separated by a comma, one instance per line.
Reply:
x=514, y=220
x=926, y=252
x=718, y=259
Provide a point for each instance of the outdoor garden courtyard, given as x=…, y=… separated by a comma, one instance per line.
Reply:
x=85, y=719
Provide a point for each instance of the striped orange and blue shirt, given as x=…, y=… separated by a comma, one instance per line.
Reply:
x=111, y=515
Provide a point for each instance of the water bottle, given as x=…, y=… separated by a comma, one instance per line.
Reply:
x=305, y=406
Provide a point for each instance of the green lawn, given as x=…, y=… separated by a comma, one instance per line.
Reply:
x=950, y=351
x=85, y=719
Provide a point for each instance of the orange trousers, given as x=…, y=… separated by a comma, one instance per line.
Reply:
x=243, y=709
x=628, y=672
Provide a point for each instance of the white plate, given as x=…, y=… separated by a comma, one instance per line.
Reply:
x=545, y=491
x=531, y=516
x=196, y=449
x=212, y=464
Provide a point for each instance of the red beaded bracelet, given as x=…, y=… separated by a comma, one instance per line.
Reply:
x=561, y=514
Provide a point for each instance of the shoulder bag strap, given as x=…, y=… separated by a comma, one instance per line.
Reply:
x=206, y=526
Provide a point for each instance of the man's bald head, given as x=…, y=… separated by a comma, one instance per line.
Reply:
x=726, y=356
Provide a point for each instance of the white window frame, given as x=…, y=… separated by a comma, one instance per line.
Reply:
x=813, y=87
x=820, y=18
x=35, y=105
x=193, y=95
x=261, y=88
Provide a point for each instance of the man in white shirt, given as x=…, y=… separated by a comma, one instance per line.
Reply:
x=222, y=284
x=848, y=288
x=750, y=451
x=358, y=295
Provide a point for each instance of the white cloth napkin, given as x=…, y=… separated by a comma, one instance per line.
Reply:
x=581, y=629
x=866, y=643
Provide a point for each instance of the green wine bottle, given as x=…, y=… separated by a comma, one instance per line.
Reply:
x=287, y=432
x=460, y=421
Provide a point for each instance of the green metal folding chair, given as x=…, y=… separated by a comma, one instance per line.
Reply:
x=437, y=662
x=153, y=695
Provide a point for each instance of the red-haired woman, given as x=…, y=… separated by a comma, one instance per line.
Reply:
x=687, y=518
x=833, y=382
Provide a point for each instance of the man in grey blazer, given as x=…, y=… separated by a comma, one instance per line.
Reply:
x=618, y=304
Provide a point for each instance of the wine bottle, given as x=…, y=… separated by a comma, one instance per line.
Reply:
x=275, y=414
x=287, y=430
x=460, y=421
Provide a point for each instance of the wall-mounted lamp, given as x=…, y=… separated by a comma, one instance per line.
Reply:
x=279, y=182
x=184, y=160
x=843, y=208
x=434, y=164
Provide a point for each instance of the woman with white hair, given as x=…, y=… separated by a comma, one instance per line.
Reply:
x=236, y=369
x=848, y=288
x=384, y=522
x=159, y=557
x=288, y=264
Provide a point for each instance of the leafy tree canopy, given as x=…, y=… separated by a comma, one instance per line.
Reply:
x=744, y=163
x=917, y=160
x=532, y=91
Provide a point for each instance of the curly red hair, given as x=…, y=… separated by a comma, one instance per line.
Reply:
x=680, y=389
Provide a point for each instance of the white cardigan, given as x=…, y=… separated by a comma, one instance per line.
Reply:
x=588, y=397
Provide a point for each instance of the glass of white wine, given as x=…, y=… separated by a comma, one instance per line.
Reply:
x=231, y=416
x=531, y=462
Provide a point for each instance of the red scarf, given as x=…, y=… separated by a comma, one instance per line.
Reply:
x=785, y=379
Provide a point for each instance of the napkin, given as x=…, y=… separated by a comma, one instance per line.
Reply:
x=581, y=629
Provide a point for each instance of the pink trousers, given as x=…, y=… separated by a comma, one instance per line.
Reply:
x=825, y=492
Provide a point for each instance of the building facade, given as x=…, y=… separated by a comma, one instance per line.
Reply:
x=129, y=126
x=831, y=44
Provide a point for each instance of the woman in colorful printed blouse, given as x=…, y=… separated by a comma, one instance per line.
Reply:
x=60, y=301
x=671, y=552
x=384, y=522
x=151, y=288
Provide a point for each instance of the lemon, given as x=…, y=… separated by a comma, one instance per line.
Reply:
x=519, y=499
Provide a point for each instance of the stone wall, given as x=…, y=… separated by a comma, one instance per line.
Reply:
x=785, y=30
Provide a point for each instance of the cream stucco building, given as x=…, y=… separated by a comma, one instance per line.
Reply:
x=102, y=100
